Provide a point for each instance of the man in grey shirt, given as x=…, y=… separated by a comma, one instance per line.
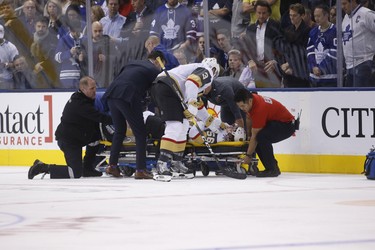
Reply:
x=221, y=92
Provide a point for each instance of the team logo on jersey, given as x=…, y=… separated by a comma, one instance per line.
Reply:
x=320, y=53
x=170, y=30
x=347, y=34
x=358, y=19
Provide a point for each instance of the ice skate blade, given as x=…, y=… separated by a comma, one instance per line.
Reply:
x=176, y=175
x=163, y=178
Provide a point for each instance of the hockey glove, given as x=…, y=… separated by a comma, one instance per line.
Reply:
x=214, y=124
x=192, y=109
x=188, y=115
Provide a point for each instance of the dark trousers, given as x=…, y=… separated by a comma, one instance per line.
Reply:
x=73, y=159
x=226, y=115
x=361, y=75
x=121, y=112
x=273, y=132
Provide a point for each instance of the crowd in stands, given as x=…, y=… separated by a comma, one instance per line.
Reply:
x=44, y=44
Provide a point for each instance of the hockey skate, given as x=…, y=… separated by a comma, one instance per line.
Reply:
x=180, y=171
x=163, y=172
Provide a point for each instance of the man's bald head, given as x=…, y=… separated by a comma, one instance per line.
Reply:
x=97, y=31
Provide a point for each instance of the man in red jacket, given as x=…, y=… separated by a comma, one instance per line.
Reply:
x=270, y=122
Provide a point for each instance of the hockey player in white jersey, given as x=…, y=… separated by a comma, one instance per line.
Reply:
x=191, y=80
x=227, y=134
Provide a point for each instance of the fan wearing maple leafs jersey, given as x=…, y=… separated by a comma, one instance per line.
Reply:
x=322, y=50
x=174, y=25
x=358, y=35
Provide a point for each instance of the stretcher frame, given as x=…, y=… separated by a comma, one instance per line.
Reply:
x=196, y=157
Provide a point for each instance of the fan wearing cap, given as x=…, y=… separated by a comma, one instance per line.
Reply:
x=8, y=51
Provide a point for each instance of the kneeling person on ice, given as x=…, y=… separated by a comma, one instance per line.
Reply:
x=270, y=122
x=79, y=127
x=190, y=79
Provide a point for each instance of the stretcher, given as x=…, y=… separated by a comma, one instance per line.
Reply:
x=196, y=157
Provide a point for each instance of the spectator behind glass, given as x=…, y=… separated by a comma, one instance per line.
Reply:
x=68, y=53
x=53, y=12
x=308, y=19
x=358, y=44
x=248, y=7
x=224, y=44
x=332, y=14
x=219, y=14
x=16, y=33
x=103, y=56
x=235, y=64
x=23, y=75
x=43, y=53
x=113, y=22
x=199, y=54
x=153, y=44
x=64, y=5
x=136, y=31
x=174, y=25
x=263, y=59
x=239, y=21
x=72, y=14
x=97, y=13
x=322, y=50
x=8, y=52
x=29, y=16
x=295, y=69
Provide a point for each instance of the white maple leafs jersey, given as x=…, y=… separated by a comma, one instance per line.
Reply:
x=358, y=35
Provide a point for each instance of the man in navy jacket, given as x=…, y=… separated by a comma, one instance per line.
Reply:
x=124, y=98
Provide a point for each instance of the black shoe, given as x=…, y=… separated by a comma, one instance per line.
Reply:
x=37, y=168
x=269, y=173
x=91, y=173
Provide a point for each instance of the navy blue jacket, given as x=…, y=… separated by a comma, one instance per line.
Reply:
x=133, y=81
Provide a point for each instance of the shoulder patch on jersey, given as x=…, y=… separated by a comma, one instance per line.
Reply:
x=200, y=76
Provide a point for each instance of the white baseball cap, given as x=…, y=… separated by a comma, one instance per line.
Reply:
x=1, y=31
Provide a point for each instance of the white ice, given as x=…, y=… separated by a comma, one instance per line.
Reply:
x=292, y=211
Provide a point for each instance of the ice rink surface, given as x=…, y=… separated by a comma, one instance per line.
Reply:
x=293, y=211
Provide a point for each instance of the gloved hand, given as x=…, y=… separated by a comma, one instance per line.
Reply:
x=188, y=115
x=223, y=126
x=191, y=111
x=214, y=124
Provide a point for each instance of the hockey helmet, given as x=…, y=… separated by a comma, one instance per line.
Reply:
x=211, y=63
x=239, y=134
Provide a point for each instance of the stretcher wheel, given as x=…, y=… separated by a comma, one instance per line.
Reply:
x=241, y=170
x=253, y=169
x=128, y=171
x=191, y=166
x=204, y=168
